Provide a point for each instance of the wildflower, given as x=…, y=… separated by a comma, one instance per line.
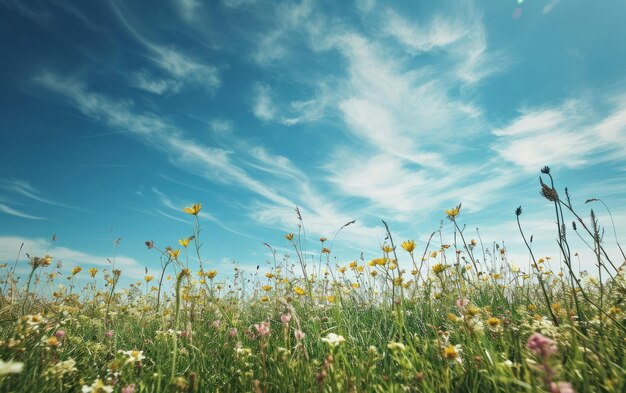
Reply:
x=330, y=298
x=263, y=328
x=462, y=302
x=194, y=209
x=129, y=388
x=97, y=387
x=216, y=324
x=109, y=334
x=150, y=244
x=355, y=285
x=174, y=253
x=438, y=268
x=289, y=236
x=333, y=339
x=61, y=368
x=285, y=318
x=353, y=265
x=266, y=288
x=10, y=367
x=452, y=213
x=265, y=299
x=52, y=342
x=386, y=249
x=325, y=250
x=76, y=270
x=269, y=275
x=232, y=333
x=93, y=271
x=184, y=242
x=211, y=274
x=133, y=356
x=299, y=334
x=408, y=246
x=494, y=323
x=60, y=334
x=452, y=353
x=299, y=291
x=148, y=278
x=541, y=345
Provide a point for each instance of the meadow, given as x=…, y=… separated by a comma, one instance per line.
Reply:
x=452, y=317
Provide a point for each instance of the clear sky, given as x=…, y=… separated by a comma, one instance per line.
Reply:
x=114, y=115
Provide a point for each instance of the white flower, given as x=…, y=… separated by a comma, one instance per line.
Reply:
x=10, y=367
x=134, y=356
x=97, y=387
x=333, y=339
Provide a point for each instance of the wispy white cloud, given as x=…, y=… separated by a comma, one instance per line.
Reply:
x=181, y=67
x=264, y=108
x=24, y=189
x=17, y=213
x=550, y=6
x=187, y=8
x=572, y=134
x=70, y=257
x=145, y=81
x=296, y=112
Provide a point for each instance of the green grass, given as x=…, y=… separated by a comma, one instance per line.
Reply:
x=449, y=328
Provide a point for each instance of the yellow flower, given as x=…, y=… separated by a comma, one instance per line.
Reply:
x=408, y=246
x=194, y=209
x=374, y=273
x=451, y=352
x=289, y=236
x=93, y=271
x=331, y=299
x=211, y=274
x=438, y=268
x=493, y=322
x=148, y=278
x=265, y=299
x=353, y=265
x=184, y=242
x=174, y=253
x=76, y=270
x=452, y=213
x=360, y=269
x=355, y=285
x=52, y=341
x=342, y=269
x=266, y=287
x=269, y=275
x=387, y=249
x=299, y=291
x=433, y=254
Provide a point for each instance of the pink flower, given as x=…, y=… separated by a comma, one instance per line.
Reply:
x=216, y=324
x=285, y=318
x=561, y=387
x=232, y=333
x=541, y=345
x=129, y=389
x=262, y=328
x=109, y=334
x=299, y=335
x=60, y=334
x=462, y=303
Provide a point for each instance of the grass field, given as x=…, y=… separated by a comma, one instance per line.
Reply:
x=445, y=323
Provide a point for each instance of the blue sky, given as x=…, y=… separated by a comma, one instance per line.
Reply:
x=115, y=115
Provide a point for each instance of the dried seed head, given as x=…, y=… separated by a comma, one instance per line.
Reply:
x=518, y=211
x=545, y=170
x=548, y=192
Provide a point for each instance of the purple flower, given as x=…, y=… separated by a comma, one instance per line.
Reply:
x=541, y=345
x=60, y=334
